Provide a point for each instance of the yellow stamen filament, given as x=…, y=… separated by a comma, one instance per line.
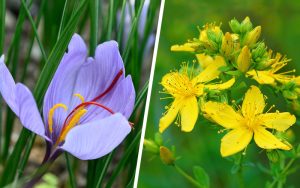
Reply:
x=80, y=97
x=72, y=123
x=51, y=113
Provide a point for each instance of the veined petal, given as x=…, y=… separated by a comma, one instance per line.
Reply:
x=254, y=102
x=222, y=114
x=170, y=115
x=267, y=140
x=279, y=121
x=222, y=86
x=8, y=87
x=97, y=138
x=211, y=72
x=235, y=141
x=28, y=112
x=61, y=87
x=189, y=113
x=262, y=77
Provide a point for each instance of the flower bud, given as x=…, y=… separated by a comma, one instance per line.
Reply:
x=290, y=94
x=166, y=156
x=252, y=37
x=158, y=139
x=246, y=25
x=235, y=26
x=273, y=155
x=151, y=146
x=227, y=44
x=243, y=60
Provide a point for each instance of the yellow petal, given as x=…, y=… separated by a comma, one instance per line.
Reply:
x=267, y=140
x=254, y=102
x=222, y=114
x=189, y=114
x=211, y=72
x=187, y=47
x=278, y=121
x=177, y=84
x=170, y=115
x=204, y=60
x=262, y=77
x=227, y=44
x=235, y=141
x=222, y=86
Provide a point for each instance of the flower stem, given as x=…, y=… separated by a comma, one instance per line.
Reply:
x=188, y=177
x=240, y=173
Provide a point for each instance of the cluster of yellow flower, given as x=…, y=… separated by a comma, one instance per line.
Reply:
x=223, y=59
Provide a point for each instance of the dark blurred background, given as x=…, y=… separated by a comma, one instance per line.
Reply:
x=280, y=30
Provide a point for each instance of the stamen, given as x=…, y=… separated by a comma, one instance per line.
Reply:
x=271, y=107
x=73, y=121
x=79, y=96
x=51, y=113
x=113, y=83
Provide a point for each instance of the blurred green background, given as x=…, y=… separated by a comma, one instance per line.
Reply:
x=280, y=30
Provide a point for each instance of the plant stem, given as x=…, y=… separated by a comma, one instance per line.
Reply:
x=188, y=177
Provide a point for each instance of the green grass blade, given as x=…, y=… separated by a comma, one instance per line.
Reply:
x=131, y=33
x=28, y=56
x=2, y=25
x=125, y=158
x=34, y=30
x=63, y=19
x=121, y=25
x=110, y=19
x=70, y=171
x=94, y=15
x=103, y=168
x=141, y=96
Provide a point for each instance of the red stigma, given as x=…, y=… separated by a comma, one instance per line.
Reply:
x=113, y=83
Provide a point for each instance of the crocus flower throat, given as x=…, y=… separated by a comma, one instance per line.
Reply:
x=79, y=111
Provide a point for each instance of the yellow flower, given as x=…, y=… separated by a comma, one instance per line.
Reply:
x=211, y=27
x=185, y=91
x=248, y=122
x=271, y=75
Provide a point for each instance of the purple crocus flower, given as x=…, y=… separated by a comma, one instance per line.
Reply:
x=86, y=107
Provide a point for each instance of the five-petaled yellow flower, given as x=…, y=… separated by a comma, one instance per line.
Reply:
x=271, y=74
x=249, y=121
x=185, y=91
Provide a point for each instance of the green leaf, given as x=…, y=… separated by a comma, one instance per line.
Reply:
x=201, y=176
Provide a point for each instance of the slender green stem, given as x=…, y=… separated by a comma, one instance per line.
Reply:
x=70, y=171
x=121, y=25
x=94, y=15
x=2, y=25
x=240, y=172
x=188, y=177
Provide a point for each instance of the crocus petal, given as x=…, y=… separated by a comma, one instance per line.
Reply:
x=267, y=140
x=61, y=87
x=262, y=77
x=235, y=141
x=211, y=72
x=97, y=138
x=7, y=86
x=278, y=121
x=170, y=115
x=223, y=114
x=189, y=113
x=28, y=112
x=254, y=102
x=109, y=61
x=222, y=86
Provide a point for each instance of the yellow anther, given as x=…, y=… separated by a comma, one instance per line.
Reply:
x=51, y=113
x=72, y=123
x=79, y=96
